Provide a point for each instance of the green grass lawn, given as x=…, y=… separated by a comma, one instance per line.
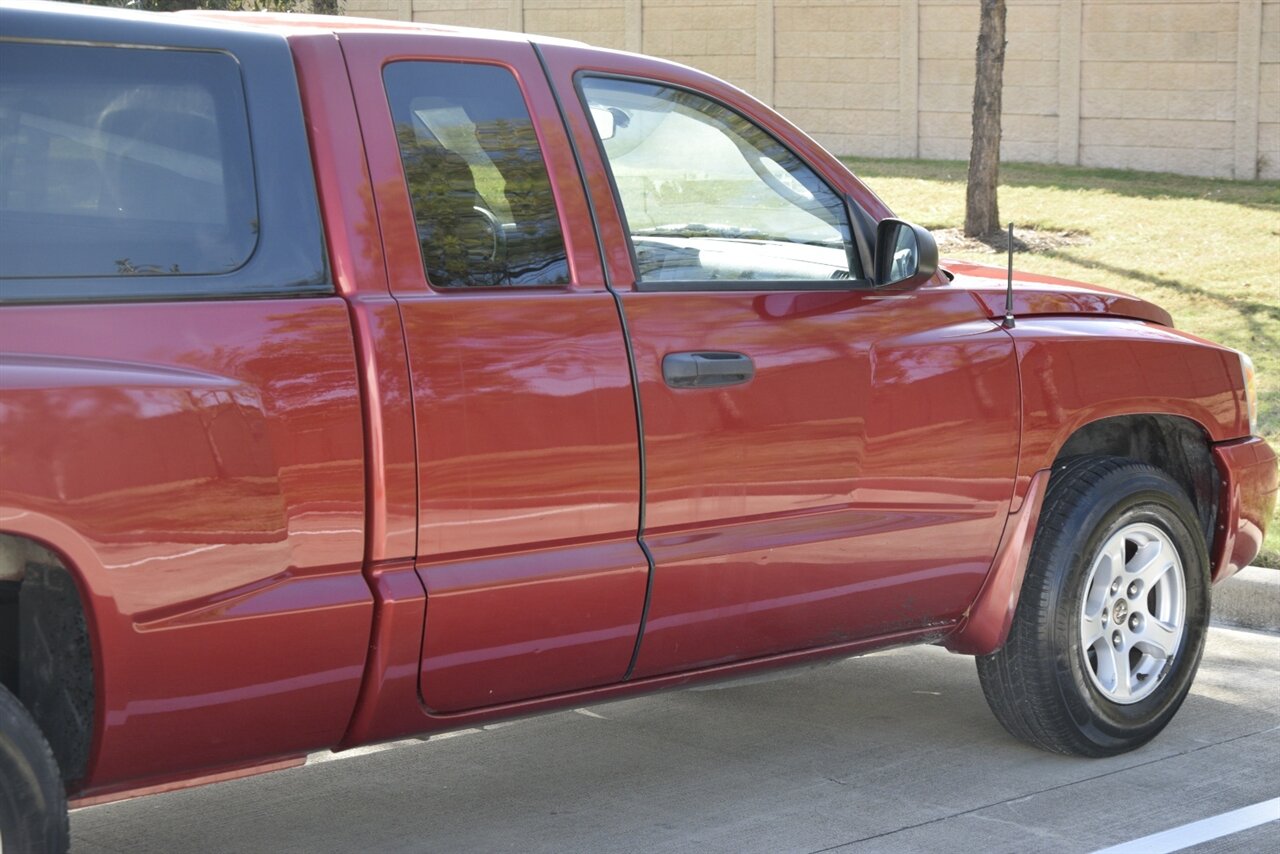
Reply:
x=1207, y=250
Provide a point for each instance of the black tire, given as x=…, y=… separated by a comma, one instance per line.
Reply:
x=33, y=805
x=1042, y=684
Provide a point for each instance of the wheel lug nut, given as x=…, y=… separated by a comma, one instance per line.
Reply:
x=1115, y=585
x=1116, y=640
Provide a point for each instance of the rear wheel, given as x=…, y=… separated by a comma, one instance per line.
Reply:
x=1109, y=629
x=33, y=805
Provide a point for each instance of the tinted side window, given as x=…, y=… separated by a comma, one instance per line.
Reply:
x=123, y=162
x=482, y=201
x=709, y=196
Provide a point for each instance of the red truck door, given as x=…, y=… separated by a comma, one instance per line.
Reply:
x=824, y=461
x=525, y=418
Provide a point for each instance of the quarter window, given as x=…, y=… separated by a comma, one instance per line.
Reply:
x=482, y=201
x=708, y=195
x=123, y=162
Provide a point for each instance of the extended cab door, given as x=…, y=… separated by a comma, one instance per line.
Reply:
x=528, y=472
x=824, y=461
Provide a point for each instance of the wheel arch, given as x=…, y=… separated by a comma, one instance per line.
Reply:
x=1175, y=444
x=49, y=655
x=1178, y=445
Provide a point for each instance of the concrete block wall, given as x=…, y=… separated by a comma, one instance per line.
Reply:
x=1268, y=154
x=490, y=14
x=1158, y=85
x=393, y=10
x=600, y=22
x=718, y=37
x=836, y=72
x=1188, y=86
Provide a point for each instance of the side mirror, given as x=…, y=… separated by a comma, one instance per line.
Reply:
x=906, y=254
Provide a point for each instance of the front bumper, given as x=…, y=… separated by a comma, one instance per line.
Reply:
x=1246, y=504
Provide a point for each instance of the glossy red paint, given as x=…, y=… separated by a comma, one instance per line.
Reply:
x=783, y=514
x=359, y=269
x=986, y=624
x=418, y=509
x=1046, y=295
x=1246, y=505
x=202, y=472
x=526, y=429
x=1082, y=369
x=389, y=705
x=789, y=512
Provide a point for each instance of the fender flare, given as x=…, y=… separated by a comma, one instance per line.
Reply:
x=985, y=626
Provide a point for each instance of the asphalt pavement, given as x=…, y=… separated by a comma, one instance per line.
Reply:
x=894, y=751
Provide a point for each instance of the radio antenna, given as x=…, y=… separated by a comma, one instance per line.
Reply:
x=1008, y=293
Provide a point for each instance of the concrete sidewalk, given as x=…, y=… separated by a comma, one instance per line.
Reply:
x=1249, y=599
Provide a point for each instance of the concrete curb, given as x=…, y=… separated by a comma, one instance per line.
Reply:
x=1250, y=599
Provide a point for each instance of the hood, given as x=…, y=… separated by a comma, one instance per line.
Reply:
x=1045, y=295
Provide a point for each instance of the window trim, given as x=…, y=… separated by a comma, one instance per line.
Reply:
x=696, y=285
x=290, y=258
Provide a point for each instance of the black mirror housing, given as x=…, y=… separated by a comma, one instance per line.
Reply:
x=906, y=254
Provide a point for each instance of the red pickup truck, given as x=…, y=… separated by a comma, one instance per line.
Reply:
x=362, y=379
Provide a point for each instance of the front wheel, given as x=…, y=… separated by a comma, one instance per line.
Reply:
x=1110, y=625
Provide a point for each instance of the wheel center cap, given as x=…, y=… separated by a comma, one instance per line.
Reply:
x=1121, y=611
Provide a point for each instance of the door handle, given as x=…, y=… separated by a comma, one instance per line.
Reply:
x=707, y=369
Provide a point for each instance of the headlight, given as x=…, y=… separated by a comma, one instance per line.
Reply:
x=1250, y=392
